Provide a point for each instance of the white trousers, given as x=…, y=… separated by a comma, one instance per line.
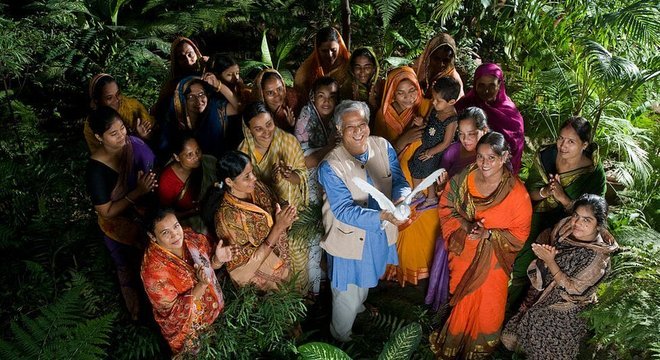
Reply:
x=345, y=307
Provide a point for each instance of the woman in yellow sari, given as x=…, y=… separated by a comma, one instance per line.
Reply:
x=437, y=61
x=402, y=103
x=250, y=219
x=279, y=163
x=329, y=58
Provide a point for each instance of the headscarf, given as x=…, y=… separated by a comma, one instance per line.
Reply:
x=211, y=128
x=290, y=99
x=92, y=85
x=387, y=114
x=426, y=80
x=503, y=116
x=311, y=68
x=174, y=65
x=359, y=91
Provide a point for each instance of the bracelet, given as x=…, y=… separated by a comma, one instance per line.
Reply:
x=271, y=246
x=129, y=200
x=541, y=193
x=490, y=233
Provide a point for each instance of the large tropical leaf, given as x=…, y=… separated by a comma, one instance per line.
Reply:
x=403, y=343
x=321, y=351
x=639, y=21
x=265, y=51
x=286, y=43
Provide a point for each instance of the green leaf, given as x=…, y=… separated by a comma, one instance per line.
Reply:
x=387, y=9
x=321, y=351
x=403, y=343
x=265, y=52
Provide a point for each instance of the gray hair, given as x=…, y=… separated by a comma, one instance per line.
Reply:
x=348, y=106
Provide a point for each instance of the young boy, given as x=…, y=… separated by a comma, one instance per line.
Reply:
x=437, y=136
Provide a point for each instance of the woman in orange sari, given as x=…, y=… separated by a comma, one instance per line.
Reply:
x=402, y=103
x=437, y=61
x=329, y=58
x=485, y=213
x=177, y=272
x=282, y=101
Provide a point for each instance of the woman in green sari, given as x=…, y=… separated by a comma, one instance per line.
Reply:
x=363, y=83
x=562, y=172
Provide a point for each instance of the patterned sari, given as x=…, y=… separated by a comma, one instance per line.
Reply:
x=291, y=100
x=549, y=325
x=311, y=68
x=247, y=224
x=547, y=212
x=169, y=280
x=355, y=90
x=479, y=269
x=417, y=239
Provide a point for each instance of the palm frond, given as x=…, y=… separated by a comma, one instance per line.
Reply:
x=286, y=43
x=445, y=10
x=638, y=21
x=387, y=9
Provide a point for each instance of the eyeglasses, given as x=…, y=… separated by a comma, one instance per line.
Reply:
x=196, y=97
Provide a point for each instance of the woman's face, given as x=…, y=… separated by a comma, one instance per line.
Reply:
x=487, y=87
x=569, y=145
x=244, y=183
x=168, y=233
x=406, y=94
x=115, y=137
x=585, y=226
x=186, y=56
x=328, y=52
x=325, y=99
x=488, y=162
x=196, y=99
x=273, y=91
x=363, y=69
x=468, y=134
x=110, y=96
x=231, y=75
x=190, y=156
x=262, y=129
x=440, y=59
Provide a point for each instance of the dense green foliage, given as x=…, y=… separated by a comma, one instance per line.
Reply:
x=60, y=298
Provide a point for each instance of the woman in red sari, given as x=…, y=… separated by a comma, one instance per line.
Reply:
x=485, y=213
x=177, y=271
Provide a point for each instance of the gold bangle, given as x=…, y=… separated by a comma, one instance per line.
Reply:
x=129, y=200
x=541, y=193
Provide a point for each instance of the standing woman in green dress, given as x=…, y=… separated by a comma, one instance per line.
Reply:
x=562, y=172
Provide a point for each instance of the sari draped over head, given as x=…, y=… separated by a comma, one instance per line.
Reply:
x=426, y=79
x=212, y=125
x=311, y=68
x=479, y=268
x=547, y=212
x=186, y=196
x=291, y=99
x=247, y=224
x=169, y=280
x=503, y=116
x=177, y=72
x=283, y=148
x=389, y=123
x=549, y=324
x=130, y=110
x=135, y=156
x=353, y=89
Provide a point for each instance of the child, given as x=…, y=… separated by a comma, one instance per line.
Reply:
x=437, y=136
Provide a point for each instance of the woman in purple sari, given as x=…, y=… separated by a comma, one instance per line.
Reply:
x=472, y=125
x=488, y=93
x=118, y=178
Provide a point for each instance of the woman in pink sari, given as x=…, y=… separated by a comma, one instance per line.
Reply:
x=488, y=93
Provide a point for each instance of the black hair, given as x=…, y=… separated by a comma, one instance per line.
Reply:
x=496, y=142
x=326, y=34
x=362, y=52
x=102, y=118
x=198, y=81
x=597, y=204
x=476, y=114
x=230, y=165
x=324, y=81
x=252, y=110
x=180, y=141
x=220, y=63
x=154, y=216
x=270, y=75
x=447, y=87
x=97, y=91
x=583, y=129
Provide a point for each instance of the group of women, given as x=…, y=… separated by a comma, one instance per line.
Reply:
x=234, y=165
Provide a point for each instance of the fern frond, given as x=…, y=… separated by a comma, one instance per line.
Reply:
x=387, y=9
